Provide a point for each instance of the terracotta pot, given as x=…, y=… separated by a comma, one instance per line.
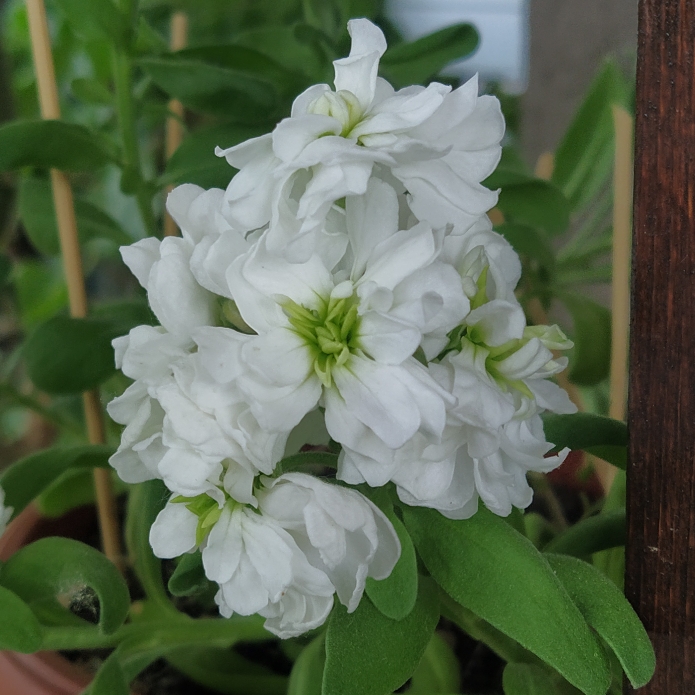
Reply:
x=43, y=673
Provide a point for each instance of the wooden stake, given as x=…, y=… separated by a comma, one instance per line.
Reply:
x=174, y=133
x=622, y=232
x=72, y=264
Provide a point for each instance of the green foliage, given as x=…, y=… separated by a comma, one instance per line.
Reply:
x=51, y=144
x=110, y=680
x=307, y=673
x=96, y=20
x=25, y=479
x=370, y=654
x=591, y=535
x=71, y=489
x=534, y=203
x=396, y=595
x=608, y=612
x=20, y=631
x=438, y=671
x=68, y=355
x=40, y=290
x=592, y=340
x=38, y=217
x=496, y=573
x=417, y=61
x=595, y=434
x=189, y=576
x=529, y=679
x=61, y=567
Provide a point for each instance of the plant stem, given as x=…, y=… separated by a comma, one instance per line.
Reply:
x=123, y=81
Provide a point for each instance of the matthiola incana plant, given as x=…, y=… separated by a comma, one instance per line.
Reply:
x=333, y=414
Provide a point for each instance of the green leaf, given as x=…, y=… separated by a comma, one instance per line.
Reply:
x=51, y=144
x=110, y=679
x=19, y=629
x=227, y=672
x=96, y=20
x=307, y=672
x=91, y=91
x=25, y=479
x=189, y=576
x=595, y=434
x=438, y=672
x=41, y=291
x=304, y=458
x=73, y=488
x=609, y=613
x=592, y=339
x=5, y=269
x=370, y=654
x=414, y=62
x=52, y=567
x=69, y=355
x=535, y=203
x=396, y=595
x=583, y=159
x=37, y=213
x=526, y=679
x=195, y=160
x=527, y=241
x=591, y=535
x=493, y=571
x=233, y=82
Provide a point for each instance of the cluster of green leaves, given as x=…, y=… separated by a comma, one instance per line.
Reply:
x=562, y=228
x=560, y=624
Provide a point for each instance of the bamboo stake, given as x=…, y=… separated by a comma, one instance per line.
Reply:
x=72, y=264
x=622, y=232
x=174, y=132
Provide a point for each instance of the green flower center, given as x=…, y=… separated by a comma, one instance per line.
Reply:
x=330, y=332
x=206, y=509
x=341, y=105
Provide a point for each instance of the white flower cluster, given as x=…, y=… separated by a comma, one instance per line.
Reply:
x=5, y=512
x=349, y=267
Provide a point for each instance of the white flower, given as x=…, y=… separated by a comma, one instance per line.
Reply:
x=438, y=144
x=5, y=512
x=257, y=564
x=348, y=336
x=339, y=530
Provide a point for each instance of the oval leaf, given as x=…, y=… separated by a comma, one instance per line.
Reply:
x=96, y=20
x=408, y=63
x=370, y=654
x=529, y=679
x=591, y=535
x=53, y=567
x=493, y=571
x=596, y=434
x=189, y=576
x=25, y=479
x=307, y=673
x=396, y=595
x=19, y=629
x=438, y=672
x=535, y=203
x=51, y=144
x=69, y=355
x=607, y=610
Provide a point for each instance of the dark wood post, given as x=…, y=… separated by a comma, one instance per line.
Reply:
x=660, y=563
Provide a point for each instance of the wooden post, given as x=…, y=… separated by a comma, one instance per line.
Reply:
x=660, y=569
x=72, y=264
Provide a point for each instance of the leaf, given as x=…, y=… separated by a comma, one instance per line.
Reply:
x=307, y=673
x=227, y=672
x=527, y=241
x=195, y=160
x=5, y=269
x=54, y=567
x=370, y=654
x=416, y=61
x=583, y=160
x=40, y=289
x=110, y=679
x=607, y=611
x=591, y=535
x=71, y=489
x=233, y=82
x=37, y=212
x=69, y=355
x=20, y=631
x=396, y=595
x=493, y=571
x=51, y=144
x=438, y=672
x=535, y=203
x=96, y=20
x=189, y=576
x=592, y=339
x=526, y=679
x=595, y=434
x=91, y=91
x=25, y=479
